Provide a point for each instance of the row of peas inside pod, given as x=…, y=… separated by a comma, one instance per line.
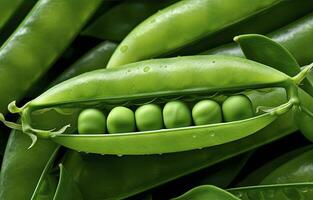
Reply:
x=173, y=114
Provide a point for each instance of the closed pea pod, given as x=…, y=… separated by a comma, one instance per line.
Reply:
x=180, y=24
x=106, y=87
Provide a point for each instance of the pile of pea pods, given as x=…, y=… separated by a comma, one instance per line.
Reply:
x=156, y=100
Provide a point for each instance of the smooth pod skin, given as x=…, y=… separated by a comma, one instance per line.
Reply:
x=176, y=114
x=125, y=83
x=55, y=21
x=122, y=18
x=121, y=120
x=302, y=190
x=206, y=192
x=291, y=171
x=237, y=107
x=206, y=112
x=296, y=37
x=91, y=121
x=149, y=117
x=169, y=29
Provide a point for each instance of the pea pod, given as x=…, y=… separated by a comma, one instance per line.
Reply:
x=54, y=21
x=111, y=87
x=291, y=171
x=299, y=190
x=259, y=174
x=168, y=29
x=294, y=37
x=206, y=192
x=266, y=51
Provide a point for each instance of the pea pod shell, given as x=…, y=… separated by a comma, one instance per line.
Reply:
x=180, y=24
x=126, y=82
x=165, y=140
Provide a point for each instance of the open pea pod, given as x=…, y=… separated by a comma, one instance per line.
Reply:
x=265, y=50
x=139, y=83
x=206, y=192
x=278, y=191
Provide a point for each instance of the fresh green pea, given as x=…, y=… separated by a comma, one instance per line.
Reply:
x=237, y=108
x=206, y=112
x=149, y=117
x=121, y=120
x=91, y=121
x=176, y=114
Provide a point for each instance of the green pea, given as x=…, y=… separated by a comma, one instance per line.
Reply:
x=206, y=112
x=121, y=120
x=91, y=121
x=149, y=117
x=237, y=108
x=176, y=114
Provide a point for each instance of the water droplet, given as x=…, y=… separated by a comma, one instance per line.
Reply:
x=119, y=155
x=124, y=48
x=102, y=154
x=160, y=154
x=146, y=69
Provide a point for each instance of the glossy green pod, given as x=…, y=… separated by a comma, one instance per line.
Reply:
x=180, y=24
x=206, y=192
x=300, y=190
x=112, y=87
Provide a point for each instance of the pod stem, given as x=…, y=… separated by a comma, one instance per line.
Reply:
x=301, y=75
